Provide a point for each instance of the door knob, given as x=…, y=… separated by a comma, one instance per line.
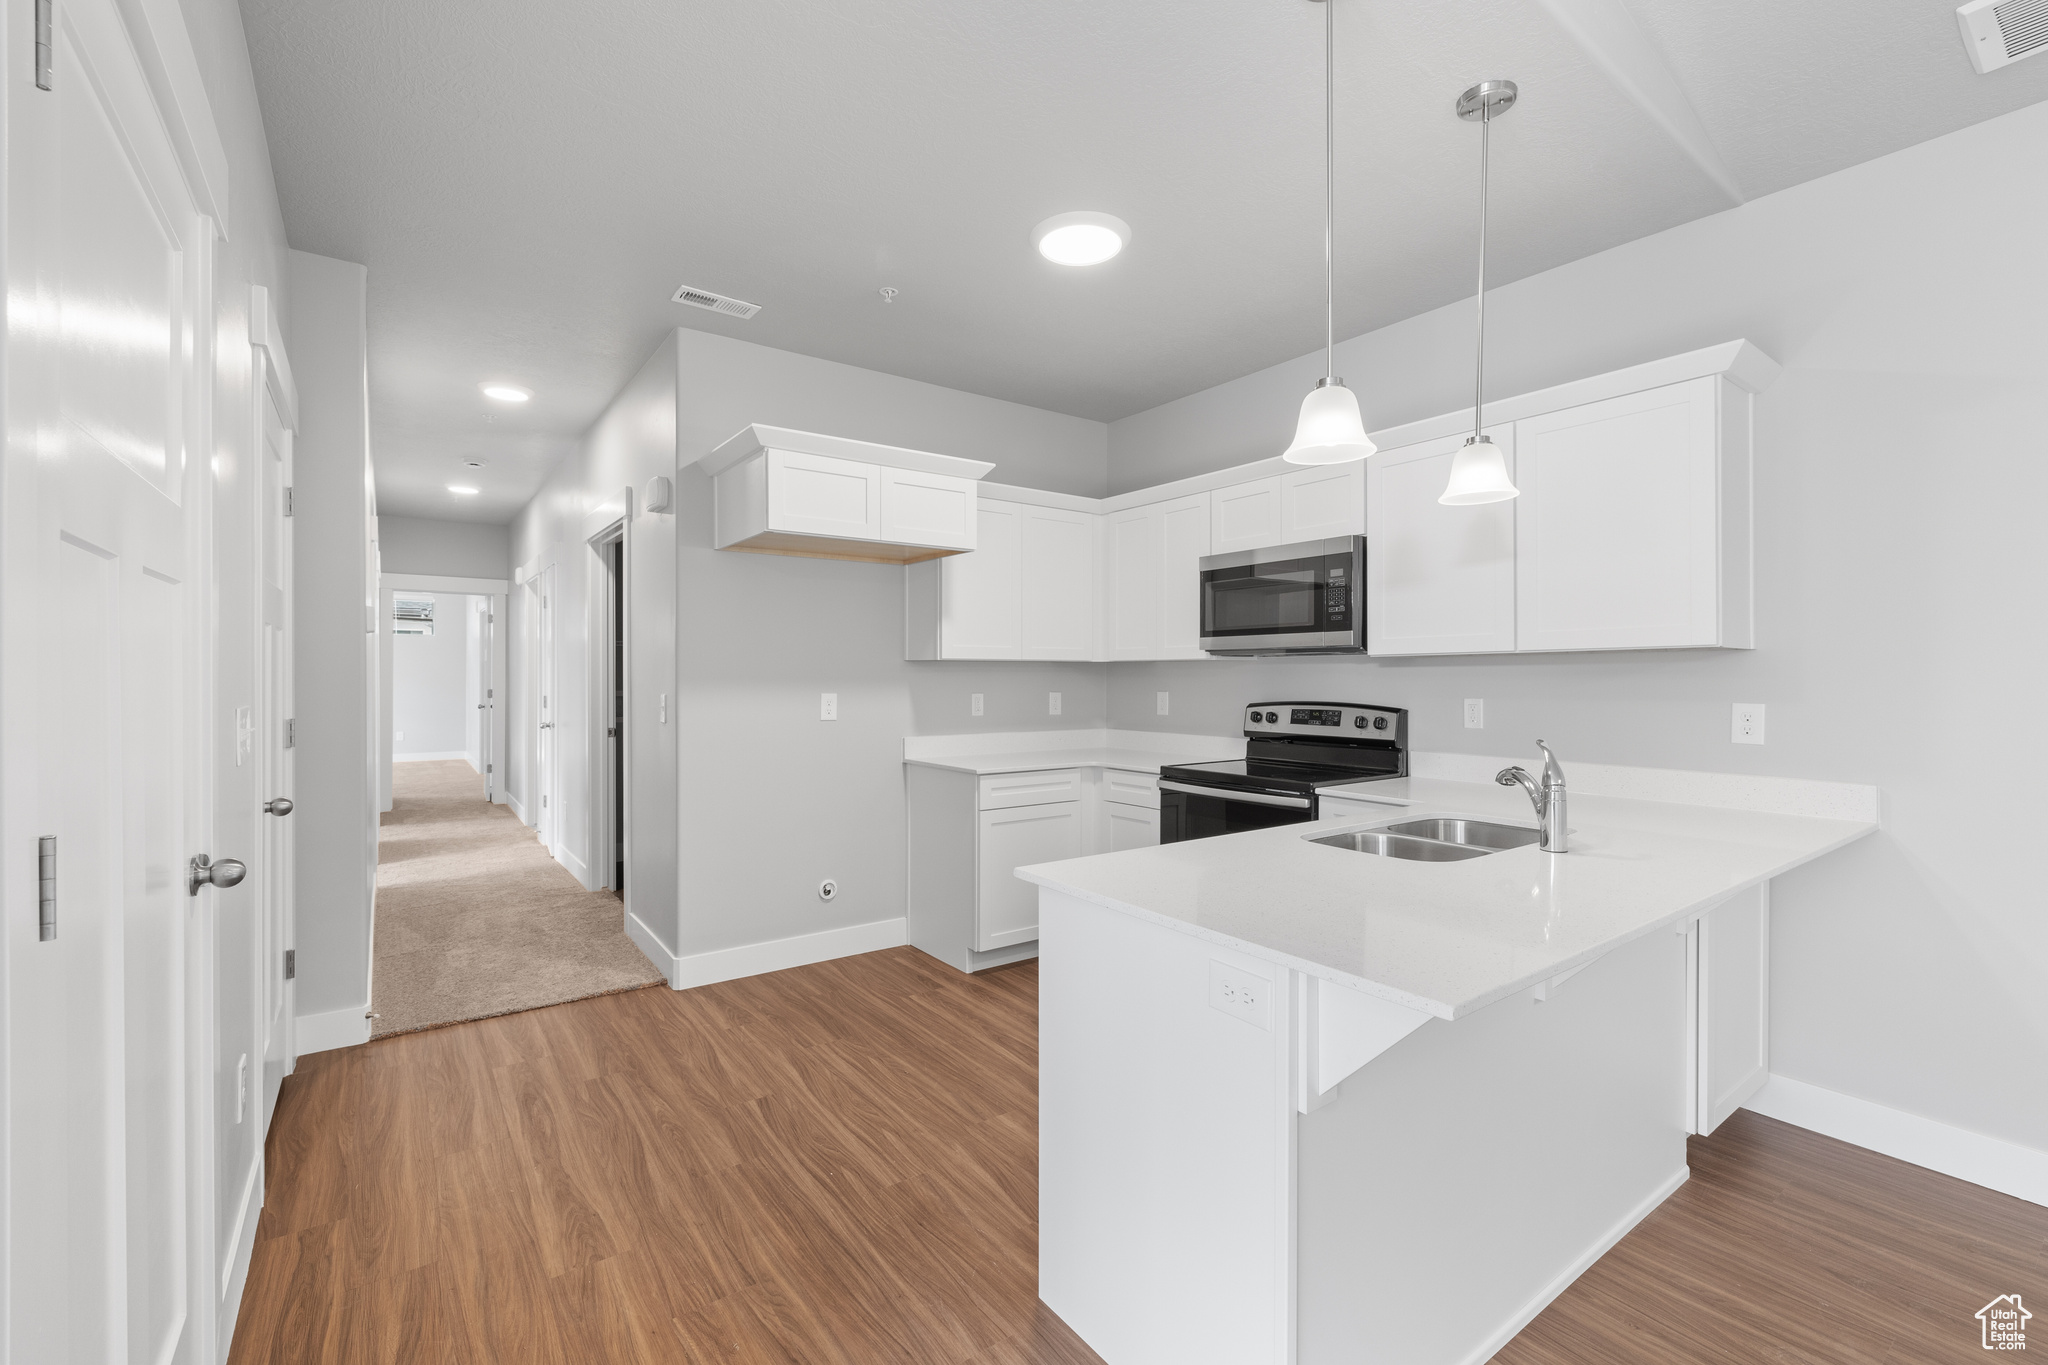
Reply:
x=280, y=806
x=547, y=725
x=206, y=872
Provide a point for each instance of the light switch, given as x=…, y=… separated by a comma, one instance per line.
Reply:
x=828, y=706
x=1052, y=703
x=1162, y=703
x=974, y=703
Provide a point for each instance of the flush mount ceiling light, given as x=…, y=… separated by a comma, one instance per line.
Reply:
x=1080, y=238
x=1330, y=429
x=461, y=489
x=1479, y=472
x=506, y=393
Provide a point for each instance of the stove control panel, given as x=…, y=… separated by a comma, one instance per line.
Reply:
x=1325, y=720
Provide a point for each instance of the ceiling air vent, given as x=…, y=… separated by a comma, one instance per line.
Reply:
x=2000, y=32
x=734, y=308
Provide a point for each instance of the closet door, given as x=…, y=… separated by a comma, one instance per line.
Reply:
x=1438, y=580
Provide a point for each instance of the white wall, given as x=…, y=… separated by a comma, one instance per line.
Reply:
x=763, y=800
x=431, y=711
x=336, y=657
x=1900, y=481
x=445, y=549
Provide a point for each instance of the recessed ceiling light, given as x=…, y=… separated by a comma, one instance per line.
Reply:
x=506, y=393
x=458, y=488
x=1080, y=238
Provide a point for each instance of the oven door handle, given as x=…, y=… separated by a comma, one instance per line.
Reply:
x=1232, y=794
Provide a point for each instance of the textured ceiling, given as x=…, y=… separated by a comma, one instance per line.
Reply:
x=528, y=182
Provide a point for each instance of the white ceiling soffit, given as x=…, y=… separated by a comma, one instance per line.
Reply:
x=528, y=182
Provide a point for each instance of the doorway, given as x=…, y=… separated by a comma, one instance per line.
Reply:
x=609, y=653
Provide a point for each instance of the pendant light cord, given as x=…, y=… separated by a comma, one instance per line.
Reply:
x=1479, y=367
x=1329, y=187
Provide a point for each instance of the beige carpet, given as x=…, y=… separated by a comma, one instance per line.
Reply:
x=475, y=919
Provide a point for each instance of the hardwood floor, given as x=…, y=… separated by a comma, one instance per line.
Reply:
x=836, y=1165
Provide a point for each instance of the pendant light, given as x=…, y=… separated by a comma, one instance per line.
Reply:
x=1479, y=472
x=1330, y=429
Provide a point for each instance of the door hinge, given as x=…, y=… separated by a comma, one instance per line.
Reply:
x=291, y=964
x=46, y=888
x=287, y=500
x=490, y=768
x=43, y=43
x=543, y=800
x=290, y=729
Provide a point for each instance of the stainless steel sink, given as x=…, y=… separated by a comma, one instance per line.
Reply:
x=1471, y=833
x=1402, y=846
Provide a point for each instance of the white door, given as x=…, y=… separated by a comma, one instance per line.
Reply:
x=1183, y=540
x=1134, y=561
x=546, y=818
x=101, y=628
x=981, y=594
x=1617, y=529
x=1438, y=580
x=275, y=756
x=1058, y=573
x=1321, y=502
x=486, y=609
x=1245, y=516
x=1006, y=908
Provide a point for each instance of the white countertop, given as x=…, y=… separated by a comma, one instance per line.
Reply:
x=1450, y=938
x=1135, y=751
x=1124, y=760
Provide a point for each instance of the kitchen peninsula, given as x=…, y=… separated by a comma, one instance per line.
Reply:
x=1304, y=1103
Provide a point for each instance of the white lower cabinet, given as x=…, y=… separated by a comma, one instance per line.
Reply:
x=1129, y=826
x=1729, y=951
x=1005, y=907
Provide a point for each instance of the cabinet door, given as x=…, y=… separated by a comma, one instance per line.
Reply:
x=928, y=509
x=822, y=496
x=1006, y=909
x=1135, y=560
x=981, y=592
x=1130, y=826
x=1324, y=501
x=1184, y=539
x=1058, y=578
x=1245, y=516
x=1618, y=524
x=1438, y=580
x=1731, y=954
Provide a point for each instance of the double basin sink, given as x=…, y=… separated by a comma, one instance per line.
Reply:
x=1434, y=840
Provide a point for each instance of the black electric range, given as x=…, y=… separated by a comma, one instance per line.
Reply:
x=1292, y=750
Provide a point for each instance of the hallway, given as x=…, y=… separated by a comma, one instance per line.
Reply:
x=475, y=919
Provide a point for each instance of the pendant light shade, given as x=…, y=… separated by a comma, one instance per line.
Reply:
x=1330, y=430
x=1479, y=473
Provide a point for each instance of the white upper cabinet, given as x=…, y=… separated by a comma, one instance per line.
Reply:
x=981, y=595
x=1438, y=580
x=1322, y=501
x=1245, y=516
x=1058, y=569
x=1152, y=582
x=1620, y=540
x=778, y=491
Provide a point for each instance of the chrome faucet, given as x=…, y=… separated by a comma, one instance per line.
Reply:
x=1547, y=798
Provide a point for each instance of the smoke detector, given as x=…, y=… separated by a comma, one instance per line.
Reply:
x=2000, y=32
x=717, y=303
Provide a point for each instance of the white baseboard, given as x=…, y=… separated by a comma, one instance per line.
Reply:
x=1545, y=1296
x=752, y=959
x=518, y=808
x=431, y=758
x=335, y=1028
x=2021, y=1172
x=578, y=869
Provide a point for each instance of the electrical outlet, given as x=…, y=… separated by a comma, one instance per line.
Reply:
x=241, y=1087
x=1238, y=992
x=1052, y=703
x=1748, y=724
x=398, y=734
x=828, y=706
x=1475, y=713
x=974, y=703
x=1162, y=703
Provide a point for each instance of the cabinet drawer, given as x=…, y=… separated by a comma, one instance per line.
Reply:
x=1030, y=789
x=1130, y=789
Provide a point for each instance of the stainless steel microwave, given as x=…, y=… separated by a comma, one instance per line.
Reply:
x=1306, y=598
